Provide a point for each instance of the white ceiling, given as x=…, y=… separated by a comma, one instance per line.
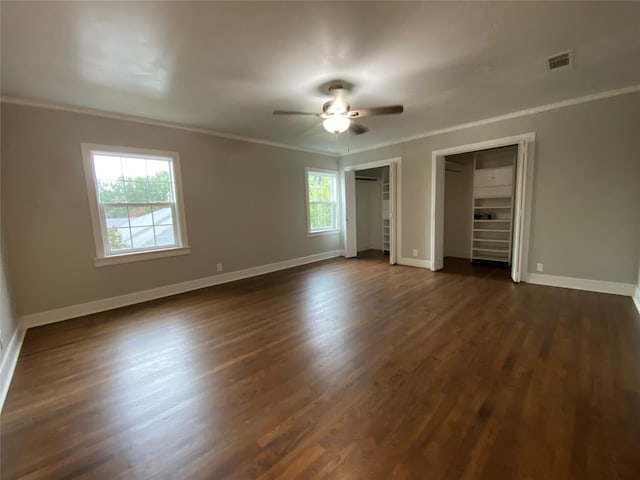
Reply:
x=226, y=66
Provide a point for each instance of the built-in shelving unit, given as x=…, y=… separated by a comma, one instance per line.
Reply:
x=386, y=224
x=492, y=211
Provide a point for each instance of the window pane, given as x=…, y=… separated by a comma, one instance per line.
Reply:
x=117, y=228
x=142, y=237
x=165, y=236
x=136, y=191
x=327, y=216
x=119, y=238
x=107, y=167
x=321, y=216
x=111, y=192
x=321, y=187
x=116, y=217
x=162, y=216
x=140, y=216
x=134, y=168
x=160, y=192
x=158, y=171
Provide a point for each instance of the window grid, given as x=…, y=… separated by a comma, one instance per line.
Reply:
x=134, y=241
x=151, y=226
x=321, y=192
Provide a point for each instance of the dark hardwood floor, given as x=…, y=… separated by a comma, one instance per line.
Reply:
x=347, y=369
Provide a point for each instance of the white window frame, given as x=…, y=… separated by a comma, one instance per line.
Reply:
x=325, y=231
x=98, y=222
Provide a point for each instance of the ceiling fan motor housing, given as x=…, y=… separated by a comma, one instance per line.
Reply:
x=330, y=108
x=339, y=104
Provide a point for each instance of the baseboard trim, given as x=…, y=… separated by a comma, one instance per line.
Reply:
x=600, y=286
x=636, y=298
x=414, y=262
x=73, y=311
x=9, y=362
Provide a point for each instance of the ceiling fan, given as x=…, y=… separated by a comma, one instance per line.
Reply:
x=337, y=114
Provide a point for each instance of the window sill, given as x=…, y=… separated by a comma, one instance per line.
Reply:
x=141, y=256
x=323, y=232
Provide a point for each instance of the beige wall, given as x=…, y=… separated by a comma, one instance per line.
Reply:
x=245, y=207
x=585, y=220
x=458, y=195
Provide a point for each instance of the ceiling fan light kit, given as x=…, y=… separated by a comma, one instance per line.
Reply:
x=338, y=115
x=336, y=124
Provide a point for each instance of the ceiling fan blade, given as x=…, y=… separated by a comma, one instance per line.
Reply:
x=357, y=129
x=312, y=130
x=368, y=112
x=293, y=112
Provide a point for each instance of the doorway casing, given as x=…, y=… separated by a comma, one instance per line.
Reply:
x=395, y=210
x=522, y=207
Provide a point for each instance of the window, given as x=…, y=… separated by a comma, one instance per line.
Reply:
x=136, y=203
x=322, y=201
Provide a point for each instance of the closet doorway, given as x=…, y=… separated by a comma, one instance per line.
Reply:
x=479, y=210
x=372, y=208
x=500, y=200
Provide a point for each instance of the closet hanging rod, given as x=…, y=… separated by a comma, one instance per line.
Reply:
x=367, y=179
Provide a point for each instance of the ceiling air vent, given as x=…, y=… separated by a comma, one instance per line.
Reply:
x=560, y=61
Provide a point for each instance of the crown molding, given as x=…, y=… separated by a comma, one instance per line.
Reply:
x=156, y=123
x=507, y=116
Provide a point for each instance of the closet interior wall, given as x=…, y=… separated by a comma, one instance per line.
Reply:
x=369, y=209
x=458, y=205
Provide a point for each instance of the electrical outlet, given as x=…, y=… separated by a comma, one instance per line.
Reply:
x=219, y=267
x=539, y=267
x=415, y=252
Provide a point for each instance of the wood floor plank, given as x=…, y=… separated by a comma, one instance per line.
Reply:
x=341, y=369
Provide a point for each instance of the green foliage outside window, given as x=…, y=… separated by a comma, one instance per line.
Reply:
x=156, y=188
x=115, y=239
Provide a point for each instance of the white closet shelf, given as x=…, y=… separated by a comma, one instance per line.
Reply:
x=480, y=249
x=491, y=259
x=492, y=208
x=493, y=177
x=493, y=240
